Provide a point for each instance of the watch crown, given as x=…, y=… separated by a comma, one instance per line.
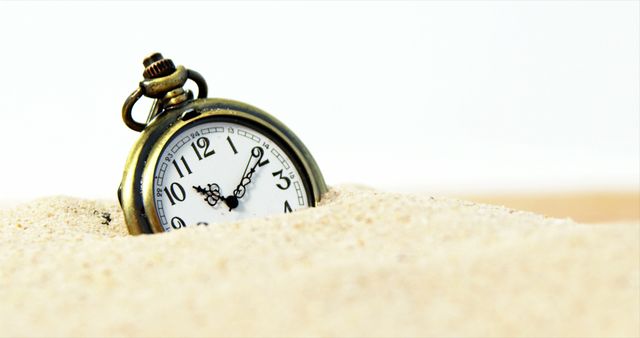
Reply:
x=157, y=66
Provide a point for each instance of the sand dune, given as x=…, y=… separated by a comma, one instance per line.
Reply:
x=364, y=263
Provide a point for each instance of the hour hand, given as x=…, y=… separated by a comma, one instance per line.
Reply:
x=211, y=193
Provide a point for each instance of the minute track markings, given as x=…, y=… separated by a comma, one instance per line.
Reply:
x=209, y=180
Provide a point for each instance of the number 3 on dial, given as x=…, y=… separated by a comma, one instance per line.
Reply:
x=224, y=171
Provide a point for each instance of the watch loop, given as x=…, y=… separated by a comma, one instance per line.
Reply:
x=166, y=90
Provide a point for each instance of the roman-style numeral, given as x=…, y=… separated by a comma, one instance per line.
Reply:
x=287, y=207
x=233, y=147
x=186, y=166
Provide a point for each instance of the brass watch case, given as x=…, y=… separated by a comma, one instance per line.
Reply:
x=136, y=193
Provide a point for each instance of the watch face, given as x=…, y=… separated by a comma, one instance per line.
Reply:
x=212, y=172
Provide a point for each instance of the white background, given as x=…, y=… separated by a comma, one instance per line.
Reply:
x=406, y=96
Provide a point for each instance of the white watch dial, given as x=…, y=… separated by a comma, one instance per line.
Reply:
x=223, y=171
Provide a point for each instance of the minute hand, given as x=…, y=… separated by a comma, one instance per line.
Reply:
x=240, y=190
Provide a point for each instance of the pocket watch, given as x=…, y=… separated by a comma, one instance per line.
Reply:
x=207, y=160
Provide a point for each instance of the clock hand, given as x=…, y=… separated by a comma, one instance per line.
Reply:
x=211, y=193
x=240, y=190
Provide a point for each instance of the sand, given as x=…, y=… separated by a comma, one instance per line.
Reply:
x=364, y=263
x=583, y=206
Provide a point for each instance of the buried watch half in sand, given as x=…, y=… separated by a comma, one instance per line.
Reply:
x=203, y=161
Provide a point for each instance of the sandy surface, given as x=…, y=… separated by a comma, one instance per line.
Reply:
x=583, y=206
x=365, y=263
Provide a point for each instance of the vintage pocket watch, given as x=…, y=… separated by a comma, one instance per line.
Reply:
x=203, y=161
